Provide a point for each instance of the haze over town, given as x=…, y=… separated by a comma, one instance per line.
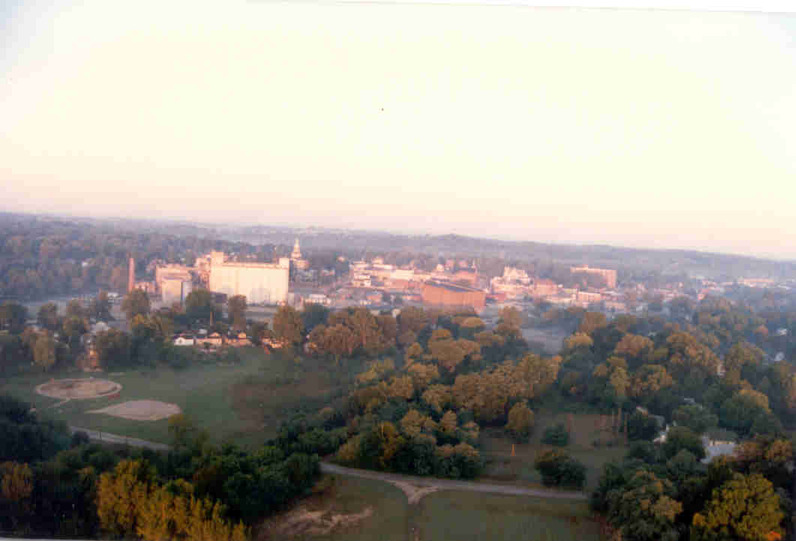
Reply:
x=635, y=128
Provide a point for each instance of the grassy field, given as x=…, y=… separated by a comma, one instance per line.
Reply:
x=364, y=510
x=501, y=466
x=242, y=403
x=470, y=516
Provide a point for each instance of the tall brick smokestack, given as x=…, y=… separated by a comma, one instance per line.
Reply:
x=131, y=275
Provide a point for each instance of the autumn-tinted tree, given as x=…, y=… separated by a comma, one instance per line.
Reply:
x=744, y=508
x=520, y=421
x=236, y=309
x=645, y=510
x=44, y=352
x=75, y=308
x=288, y=325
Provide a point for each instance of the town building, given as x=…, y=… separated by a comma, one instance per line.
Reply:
x=296, y=260
x=609, y=275
x=447, y=295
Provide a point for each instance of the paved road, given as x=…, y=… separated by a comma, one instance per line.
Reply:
x=107, y=437
x=448, y=484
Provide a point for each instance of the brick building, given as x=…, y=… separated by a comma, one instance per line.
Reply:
x=446, y=295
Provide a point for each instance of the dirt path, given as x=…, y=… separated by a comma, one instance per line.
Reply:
x=401, y=481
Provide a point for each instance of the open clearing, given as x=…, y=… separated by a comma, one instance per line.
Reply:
x=501, y=466
x=242, y=403
x=141, y=410
x=356, y=509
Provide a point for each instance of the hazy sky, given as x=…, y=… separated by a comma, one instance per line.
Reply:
x=640, y=128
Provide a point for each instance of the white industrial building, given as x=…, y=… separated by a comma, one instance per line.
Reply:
x=260, y=283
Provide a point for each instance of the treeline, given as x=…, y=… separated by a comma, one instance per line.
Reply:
x=56, y=486
x=714, y=357
x=707, y=371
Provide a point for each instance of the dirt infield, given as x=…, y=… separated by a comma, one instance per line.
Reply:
x=78, y=389
x=141, y=410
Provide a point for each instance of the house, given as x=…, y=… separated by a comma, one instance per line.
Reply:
x=239, y=340
x=717, y=443
x=273, y=343
x=184, y=340
x=212, y=340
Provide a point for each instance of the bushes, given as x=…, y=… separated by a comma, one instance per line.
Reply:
x=556, y=435
x=383, y=447
x=560, y=470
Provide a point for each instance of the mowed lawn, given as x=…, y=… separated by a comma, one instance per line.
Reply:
x=212, y=395
x=364, y=510
x=464, y=516
x=501, y=466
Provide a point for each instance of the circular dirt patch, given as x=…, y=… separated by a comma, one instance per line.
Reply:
x=141, y=410
x=78, y=389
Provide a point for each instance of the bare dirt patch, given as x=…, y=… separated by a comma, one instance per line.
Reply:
x=141, y=410
x=303, y=521
x=78, y=389
x=327, y=511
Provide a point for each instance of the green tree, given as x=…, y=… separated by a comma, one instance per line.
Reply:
x=135, y=303
x=559, y=469
x=113, y=348
x=236, y=309
x=680, y=437
x=47, y=316
x=199, y=306
x=641, y=426
x=744, y=508
x=100, y=307
x=13, y=317
x=313, y=315
x=556, y=435
x=696, y=417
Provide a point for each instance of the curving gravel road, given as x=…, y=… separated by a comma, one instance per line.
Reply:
x=448, y=484
x=398, y=479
